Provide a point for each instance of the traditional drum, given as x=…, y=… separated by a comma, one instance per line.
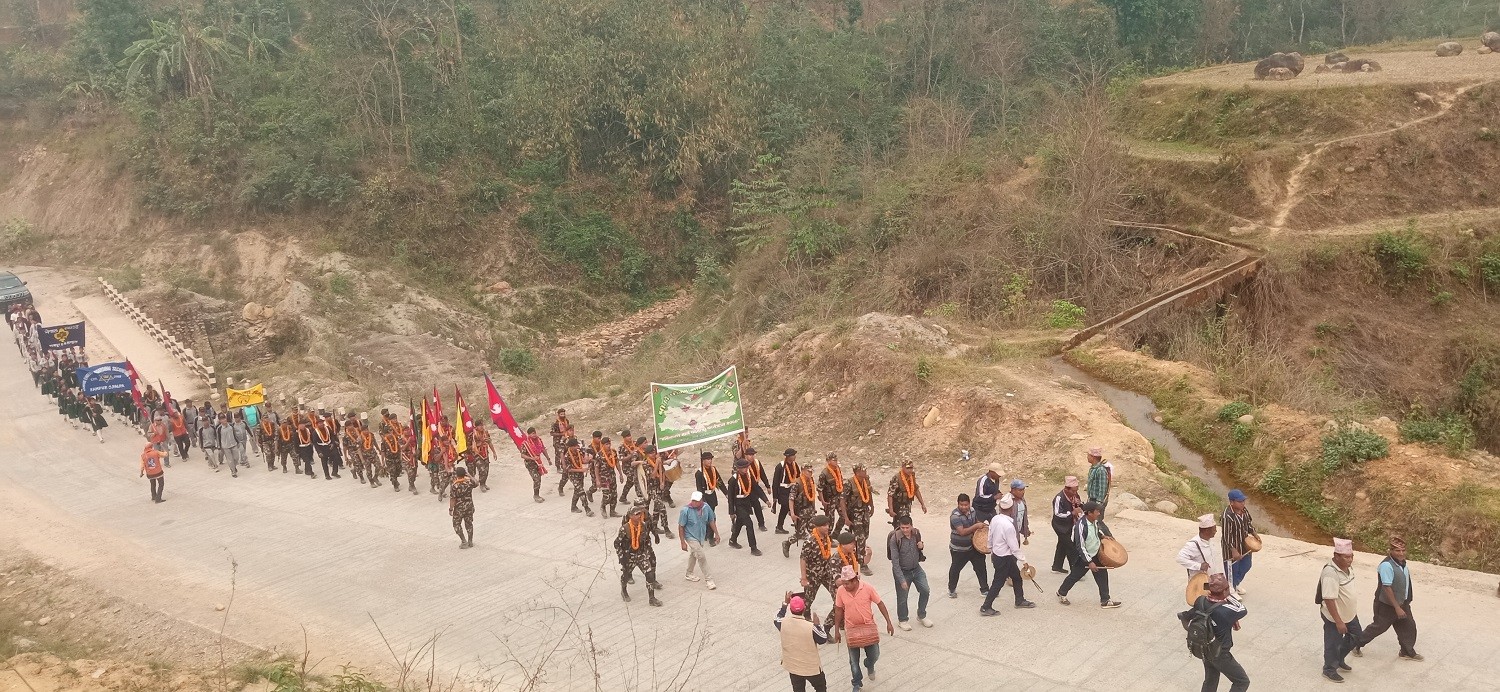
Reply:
x=1111, y=553
x=982, y=538
x=673, y=471
x=1252, y=543
x=1197, y=586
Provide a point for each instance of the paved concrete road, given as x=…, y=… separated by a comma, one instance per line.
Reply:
x=541, y=590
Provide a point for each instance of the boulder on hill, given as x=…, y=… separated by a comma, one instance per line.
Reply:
x=1290, y=61
x=1449, y=49
x=1361, y=65
x=1491, y=40
x=1335, y=58
x=1280, y=74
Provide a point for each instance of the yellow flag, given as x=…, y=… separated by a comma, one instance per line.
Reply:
x=240, y=398
x=460, y=438
x=426, y=433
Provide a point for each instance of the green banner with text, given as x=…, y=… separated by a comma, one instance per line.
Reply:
x=689, y=414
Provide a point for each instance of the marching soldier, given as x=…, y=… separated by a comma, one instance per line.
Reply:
x=633, y=545
x=655, y=483
x=606, y=469
x=831, y=490
x=861, y=508
x=305, y=447
x=627, y=454
x=286, y=441
x=370, y=452
x=562, y=431
x=409, y=458
x=461, y=507
x=902, y=491
x=265, y=432
x=447, y=461
x=577, y=466
x=850, y=555
x=820, y=561
x=783, y=480
x=352, y=452
x=323, y=442
x=390, y=440
x=534, y=456
x=804, y=498
x=480, y=448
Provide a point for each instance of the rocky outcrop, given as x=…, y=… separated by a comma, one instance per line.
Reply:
x=1448, y=49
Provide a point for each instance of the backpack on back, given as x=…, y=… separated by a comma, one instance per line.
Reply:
x=1201, y=640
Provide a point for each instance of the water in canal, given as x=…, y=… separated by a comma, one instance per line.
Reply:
x=1272, y=516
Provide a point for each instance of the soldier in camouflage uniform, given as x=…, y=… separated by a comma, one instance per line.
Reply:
x=352, y=453
x=391, y=447
x=371, y=453
x=859, y=501
x=534, y=456
x=820, y=561
x=447, y=466
x=606, y=470
x=576, y=466
x=562, y=431
x=902, y=491
x=461, y=507
x=286, y=441
x=627, y=453
x=409, y=458
x=804, y=499
x=832, y=488
x=633, y=545
x=479, y=449
x=650, y=468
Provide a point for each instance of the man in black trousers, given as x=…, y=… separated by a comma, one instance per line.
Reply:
x=744, y=499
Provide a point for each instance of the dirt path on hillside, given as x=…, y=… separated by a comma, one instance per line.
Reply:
x=1294, y=196
x=619, y=338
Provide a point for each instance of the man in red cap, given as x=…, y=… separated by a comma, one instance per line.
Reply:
x=800, y=636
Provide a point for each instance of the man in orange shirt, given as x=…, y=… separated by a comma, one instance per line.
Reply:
x=852, y=613
x=151, y=468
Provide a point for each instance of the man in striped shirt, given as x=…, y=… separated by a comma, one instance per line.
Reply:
x=1237, y=525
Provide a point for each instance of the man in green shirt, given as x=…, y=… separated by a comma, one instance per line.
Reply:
x=1100, y=478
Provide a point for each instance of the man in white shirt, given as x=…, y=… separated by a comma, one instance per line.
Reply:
x=1201, y=554
x=1005, y=555
x=1341, y=630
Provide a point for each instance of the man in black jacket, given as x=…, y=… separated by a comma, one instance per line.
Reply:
x=1225, y=614
x=783, y=479
x=1088, y=532
x=708, y=479
x=1066, y=509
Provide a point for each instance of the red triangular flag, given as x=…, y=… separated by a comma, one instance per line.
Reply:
x=500, y=413
x=135, y=389
x=437, y=407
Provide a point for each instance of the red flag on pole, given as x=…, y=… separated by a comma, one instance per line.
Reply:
x=437, y=406
x=500, y=413
x=135, y=387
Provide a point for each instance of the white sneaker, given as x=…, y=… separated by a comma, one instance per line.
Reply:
x=1240, y=589
x=1239, y=594
x=905, y=626
x=925, y=622
x=711, y=586
x=691, y=577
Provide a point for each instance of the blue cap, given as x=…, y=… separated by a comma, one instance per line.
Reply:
x=1236, y=495
x=1017, y=484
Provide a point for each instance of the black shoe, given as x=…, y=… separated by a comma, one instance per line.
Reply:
x=463, y=545
x=1359, y=652
x=734, y=544
x=1333, y=676
x=1345, y=667
x=780, y=531
x=588, y=512
x=577, y=510
x=762, y=528
x=988, y=612
x=656, y=585
x=1413, y=656
x=654, y=602
x=755, y=551
x=538, y=499
x=1025, y=604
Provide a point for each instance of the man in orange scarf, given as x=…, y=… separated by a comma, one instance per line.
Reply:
x=901, y=492
x=804, y=500
x=633, y=545
x=820, y=560
x=832, y=488
x=576, y=464
x=744, y=500
x=860, y=505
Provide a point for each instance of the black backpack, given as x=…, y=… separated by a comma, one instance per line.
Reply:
x=1201, y=640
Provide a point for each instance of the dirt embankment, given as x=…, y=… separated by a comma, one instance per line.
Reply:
x=1446, y=507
